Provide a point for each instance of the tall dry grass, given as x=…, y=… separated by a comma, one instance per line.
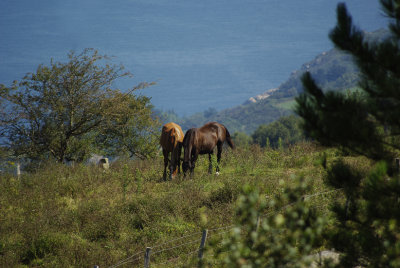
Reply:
x=81, y=216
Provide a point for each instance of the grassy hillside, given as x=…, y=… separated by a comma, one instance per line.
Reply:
x=81, y=216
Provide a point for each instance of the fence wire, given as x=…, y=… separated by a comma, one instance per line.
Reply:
x=176, y=239
x=178, y=246
x=217, y=231
x=177, y=258
x=128, y=260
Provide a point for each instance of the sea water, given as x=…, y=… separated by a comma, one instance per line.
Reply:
x=202, y=54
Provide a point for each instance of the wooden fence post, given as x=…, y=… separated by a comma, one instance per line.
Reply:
x=147, y=257
x=201, y=248
x=18, y=170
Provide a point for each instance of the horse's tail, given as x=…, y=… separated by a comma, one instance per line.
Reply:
x=229, y=140
x=187, y=145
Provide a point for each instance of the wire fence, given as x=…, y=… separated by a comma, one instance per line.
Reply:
x=160, y=252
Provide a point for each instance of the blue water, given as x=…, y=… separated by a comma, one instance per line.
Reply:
x=208, y=53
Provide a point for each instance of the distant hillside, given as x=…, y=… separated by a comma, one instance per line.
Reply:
x=332, y=70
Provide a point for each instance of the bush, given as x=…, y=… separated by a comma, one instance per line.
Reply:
x=284, y=131
x=285, y=238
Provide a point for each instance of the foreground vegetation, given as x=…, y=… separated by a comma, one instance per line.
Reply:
x=81, y=215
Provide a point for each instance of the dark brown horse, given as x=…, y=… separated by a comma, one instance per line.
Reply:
x=171, y=142
x=203, y=141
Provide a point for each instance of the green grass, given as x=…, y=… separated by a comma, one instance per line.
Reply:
x=81, y=216
x=288, y=105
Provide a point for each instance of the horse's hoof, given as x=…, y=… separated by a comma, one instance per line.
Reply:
x=217, y=173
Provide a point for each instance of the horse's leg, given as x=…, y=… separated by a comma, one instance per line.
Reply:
x=219, y=152
x=165, y=153
x=174, y=161
x=172, y=166
x=210, y=163
x=179, y=157
x=193, y=162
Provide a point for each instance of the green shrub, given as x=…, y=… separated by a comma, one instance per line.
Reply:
x=226, y=194
x=43, y=246
x=285, y=238
x=98, y=221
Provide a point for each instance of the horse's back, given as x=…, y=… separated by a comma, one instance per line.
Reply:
x=220, y=131
x=216, y=129
x=171, y=135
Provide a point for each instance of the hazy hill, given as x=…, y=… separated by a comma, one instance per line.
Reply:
x=333, y=70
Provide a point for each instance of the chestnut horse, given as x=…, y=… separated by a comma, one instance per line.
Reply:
x=203, y=141
x=171, y=142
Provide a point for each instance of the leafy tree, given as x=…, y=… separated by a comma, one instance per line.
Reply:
x=59, y=111
x=134, y=132
x=241, y=139
x=286, y=129
x=369, y=125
